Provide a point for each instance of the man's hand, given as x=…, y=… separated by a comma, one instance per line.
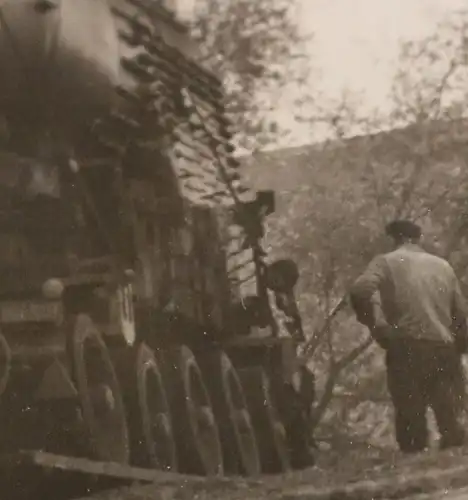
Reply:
x=381, y=332
x=459, y=318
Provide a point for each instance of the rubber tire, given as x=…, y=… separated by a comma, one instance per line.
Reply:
x=132, y=365
x=193, y=452
x=220, y=373
x=271, y=436
x=117, y=449
x=5, y=366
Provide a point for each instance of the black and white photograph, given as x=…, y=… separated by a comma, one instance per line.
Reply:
x=233, y=249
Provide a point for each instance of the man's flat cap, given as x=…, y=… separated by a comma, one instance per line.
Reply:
x=403, y=229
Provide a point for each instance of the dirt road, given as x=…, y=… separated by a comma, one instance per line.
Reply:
x=431, y=476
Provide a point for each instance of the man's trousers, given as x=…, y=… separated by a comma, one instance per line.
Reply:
x=422, y=374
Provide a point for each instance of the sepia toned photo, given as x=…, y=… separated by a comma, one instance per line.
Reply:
x=233, y=257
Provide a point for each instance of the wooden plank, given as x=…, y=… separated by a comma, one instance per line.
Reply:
x=235, y=268
x=204, y=166
x=208, y=179
x=255, y=341
x=59, y=463
x=31, y=475
x=186, y=137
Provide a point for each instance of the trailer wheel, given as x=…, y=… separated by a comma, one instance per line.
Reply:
x=270, y=431
x=11, y=433
x=196, y=430
x=99, y=393
x=5, y=364
x=149, y=420
x=241, y=453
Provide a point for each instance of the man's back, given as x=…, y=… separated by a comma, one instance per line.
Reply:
x=419, y=293
x=412, y=303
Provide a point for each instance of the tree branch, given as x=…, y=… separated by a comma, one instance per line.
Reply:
x=333, y=377
x=311, y=345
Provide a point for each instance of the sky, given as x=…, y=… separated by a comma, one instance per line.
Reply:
x=356, y=44
x=356, y=41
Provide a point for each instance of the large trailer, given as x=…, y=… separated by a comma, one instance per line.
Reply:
x=142, y=322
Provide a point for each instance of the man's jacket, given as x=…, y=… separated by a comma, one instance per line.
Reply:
x=417, y=294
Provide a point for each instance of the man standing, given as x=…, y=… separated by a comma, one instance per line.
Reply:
x=412, y=304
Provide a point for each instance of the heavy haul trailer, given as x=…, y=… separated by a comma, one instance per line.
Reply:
x=132, y=277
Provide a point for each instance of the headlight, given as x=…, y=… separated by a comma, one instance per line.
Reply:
x=53, y=289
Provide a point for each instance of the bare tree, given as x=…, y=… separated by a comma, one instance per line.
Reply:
x=415, y=166
x=259, y=51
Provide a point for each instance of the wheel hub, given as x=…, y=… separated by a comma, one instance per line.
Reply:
x=205, y=418
x=279, y=429
x=162, y=424
x=242, y=421
x=103, y=399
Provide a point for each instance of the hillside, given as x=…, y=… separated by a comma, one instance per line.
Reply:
x=418, y=172
x=286, y=170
